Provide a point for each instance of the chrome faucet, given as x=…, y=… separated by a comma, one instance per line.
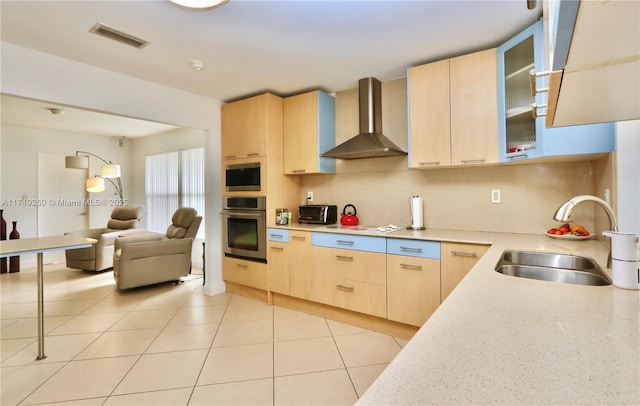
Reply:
x=564, y=212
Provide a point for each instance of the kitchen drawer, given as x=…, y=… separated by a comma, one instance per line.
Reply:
x=349, y=264
x=413, y=248
x=358, y=296
x=247, y=273
x=278, y=234
x=350, y=242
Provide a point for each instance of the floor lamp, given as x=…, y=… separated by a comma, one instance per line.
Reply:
x=108, y=171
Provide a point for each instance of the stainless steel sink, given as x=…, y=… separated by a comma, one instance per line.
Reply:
x=553, y=267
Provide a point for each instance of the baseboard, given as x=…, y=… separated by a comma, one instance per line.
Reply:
x=365, y=321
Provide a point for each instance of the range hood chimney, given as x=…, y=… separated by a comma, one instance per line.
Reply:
x=370, y=143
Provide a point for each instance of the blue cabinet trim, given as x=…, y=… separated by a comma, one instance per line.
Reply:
x=557, y=141
x=278, y=234
x=326, y=131
x=350, y=242
x=413, y=248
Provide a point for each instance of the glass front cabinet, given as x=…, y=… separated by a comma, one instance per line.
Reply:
x=522, y=135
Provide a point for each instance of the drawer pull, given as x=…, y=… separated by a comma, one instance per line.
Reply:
x=243, y=266
x=298, y=238
x=229, y=156
x=276, y=235
x=347, y=288
x=344, y=258
x=409, y=266
x=298, y=171
x=277, y=248
x=429, y=163
x=410, y=249
x=253, y=154
x=517, y=156
x=464, y=254
x=344, y=242
x=467, y=161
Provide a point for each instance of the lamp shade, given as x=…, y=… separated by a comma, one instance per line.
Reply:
x=95, y=184
x=110, y=171
x=76, y=162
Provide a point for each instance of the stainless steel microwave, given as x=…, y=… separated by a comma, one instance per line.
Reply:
x=243, y=177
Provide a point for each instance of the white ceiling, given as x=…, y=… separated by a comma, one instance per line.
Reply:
x=37, y=114
x=249, y=47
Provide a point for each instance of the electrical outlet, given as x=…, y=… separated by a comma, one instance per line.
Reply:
x=309, y=196
x=495, y=195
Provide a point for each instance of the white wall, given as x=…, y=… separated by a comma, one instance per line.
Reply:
x=41, y=76
x=628, y=170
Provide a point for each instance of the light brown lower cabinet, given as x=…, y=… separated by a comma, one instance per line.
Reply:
x=413, y=288
x=456, y=260
x=279, y=269
x=248, y=273
x=350, y=279
x=300, y=264
x=401, y=288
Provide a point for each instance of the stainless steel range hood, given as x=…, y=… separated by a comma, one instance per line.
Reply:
x=370, y=143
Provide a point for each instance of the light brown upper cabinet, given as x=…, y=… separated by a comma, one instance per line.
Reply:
x=309, y=130
x=247, y=124
x=453, y=111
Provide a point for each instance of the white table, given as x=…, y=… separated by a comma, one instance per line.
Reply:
x=40, y=245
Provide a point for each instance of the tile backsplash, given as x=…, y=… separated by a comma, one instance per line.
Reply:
x=460, y=198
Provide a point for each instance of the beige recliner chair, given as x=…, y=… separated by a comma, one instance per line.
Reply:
x=152, y=258
x=99, y=257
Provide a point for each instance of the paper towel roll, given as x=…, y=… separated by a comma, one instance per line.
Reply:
x=417, y=217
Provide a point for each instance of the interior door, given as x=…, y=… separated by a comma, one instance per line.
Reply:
x=63, y=192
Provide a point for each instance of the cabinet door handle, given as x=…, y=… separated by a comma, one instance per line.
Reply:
x=410, y=266
x=277, y=248
x=229, y=156
x=253, y=154
x=347, y=288
x=464, y=253
x=295, y=237
x=517, y=156
x=344, y=242
x=533, y=75
x=344, y=258
x=243, y=266
x=276, y=235
x=298, y=170
x=534, y=110
x=429, y=163
x=468, y=161
x=410, y=249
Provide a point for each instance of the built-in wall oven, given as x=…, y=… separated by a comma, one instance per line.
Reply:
x=244, y=222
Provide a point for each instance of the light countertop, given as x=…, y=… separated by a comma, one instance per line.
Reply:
x=500, y=339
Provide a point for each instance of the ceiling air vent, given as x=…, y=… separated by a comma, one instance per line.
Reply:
x=117, y=35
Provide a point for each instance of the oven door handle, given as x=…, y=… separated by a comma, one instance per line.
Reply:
x=241, y=215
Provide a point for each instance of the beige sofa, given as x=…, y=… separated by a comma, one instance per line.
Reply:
x=151, y=258
x=99, y=257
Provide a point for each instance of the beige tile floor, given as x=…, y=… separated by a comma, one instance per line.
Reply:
x=173, y=345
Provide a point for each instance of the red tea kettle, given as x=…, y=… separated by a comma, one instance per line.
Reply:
x=349, y=219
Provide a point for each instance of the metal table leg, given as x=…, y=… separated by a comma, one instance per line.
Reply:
x=40, y=283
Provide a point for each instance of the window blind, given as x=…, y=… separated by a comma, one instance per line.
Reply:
x=172, y=180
